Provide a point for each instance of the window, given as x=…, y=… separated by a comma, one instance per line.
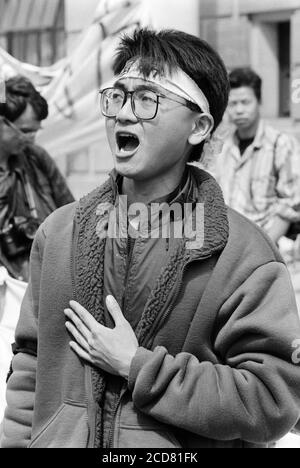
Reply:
x=33, y=30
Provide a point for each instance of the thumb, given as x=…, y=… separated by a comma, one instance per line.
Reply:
x=115, y=310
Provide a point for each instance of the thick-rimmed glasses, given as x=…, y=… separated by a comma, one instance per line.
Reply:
x=144, y=102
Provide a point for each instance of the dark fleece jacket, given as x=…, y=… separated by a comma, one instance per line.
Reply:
x=231, y=379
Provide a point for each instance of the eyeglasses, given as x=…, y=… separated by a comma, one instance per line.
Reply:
x=144, y=102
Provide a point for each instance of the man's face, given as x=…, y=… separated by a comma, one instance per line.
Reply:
x=144, y=150
x=28, y=124
x=243, y=107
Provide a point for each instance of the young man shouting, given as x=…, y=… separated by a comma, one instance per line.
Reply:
x=155, y=341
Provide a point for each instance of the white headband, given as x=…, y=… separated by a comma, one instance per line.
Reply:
x=178, y=83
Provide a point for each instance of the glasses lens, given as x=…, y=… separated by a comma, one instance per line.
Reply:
x=145, y=104
x=112, y=100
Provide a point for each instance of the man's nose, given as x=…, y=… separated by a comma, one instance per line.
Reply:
x=126, y=112
x=239, y=109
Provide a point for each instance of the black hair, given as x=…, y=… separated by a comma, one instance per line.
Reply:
x=19, y=93
x=245, y=76
x=170, y=50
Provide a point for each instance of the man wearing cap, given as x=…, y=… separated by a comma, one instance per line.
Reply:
x=156, y=317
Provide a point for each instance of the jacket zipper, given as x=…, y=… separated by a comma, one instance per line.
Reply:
x=114, y=414
x=177, y=291
x=91, y=409
x=130, y=249
x=74, y=250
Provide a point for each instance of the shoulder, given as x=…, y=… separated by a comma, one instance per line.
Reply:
x=249, y=243
x=60, y=219
x=37, y=151
x=40, y=157
x=280, y=138
x=55, y=232
x=247, y=251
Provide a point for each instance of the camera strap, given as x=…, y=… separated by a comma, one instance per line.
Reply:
x=30, y=197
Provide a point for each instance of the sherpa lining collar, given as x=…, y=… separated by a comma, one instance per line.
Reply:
x=205, y=190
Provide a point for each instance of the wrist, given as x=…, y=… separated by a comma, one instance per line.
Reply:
x=125, y=370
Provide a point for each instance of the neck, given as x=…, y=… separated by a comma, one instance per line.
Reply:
x=249, y=132
x=145, y=191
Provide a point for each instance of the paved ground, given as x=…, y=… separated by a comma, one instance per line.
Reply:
x=290, y=441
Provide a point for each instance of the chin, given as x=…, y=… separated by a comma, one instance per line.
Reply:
x=244, y=124
x=126, y=170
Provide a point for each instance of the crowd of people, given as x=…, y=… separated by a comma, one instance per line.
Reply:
x=154, y=341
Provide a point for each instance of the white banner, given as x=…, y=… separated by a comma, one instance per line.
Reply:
x=71, y=86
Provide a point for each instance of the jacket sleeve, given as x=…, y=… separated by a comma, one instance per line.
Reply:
x=288, y=183
x=17, y=424
x=253, y=394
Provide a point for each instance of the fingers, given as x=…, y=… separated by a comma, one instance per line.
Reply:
x=79, y=325
x=115, y=311
x=87, y=319
x=80, y=352
x=77, y=336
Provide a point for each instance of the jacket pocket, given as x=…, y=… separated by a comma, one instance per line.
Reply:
x=134, y=429
x=68, y=428
x=146, y=437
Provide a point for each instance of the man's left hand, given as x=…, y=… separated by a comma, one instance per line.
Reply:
x=109, y=349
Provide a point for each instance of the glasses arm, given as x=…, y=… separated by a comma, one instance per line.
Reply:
x=183, y=102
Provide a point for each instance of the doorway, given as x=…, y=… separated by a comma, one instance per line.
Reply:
x=271, y=58
x=284, y=55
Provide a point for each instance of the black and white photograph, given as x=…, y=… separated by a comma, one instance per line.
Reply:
x=149, y=226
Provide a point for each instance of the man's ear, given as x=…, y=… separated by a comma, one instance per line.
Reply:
x=203, y=125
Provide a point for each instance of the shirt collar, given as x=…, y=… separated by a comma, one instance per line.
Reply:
x=259, y=137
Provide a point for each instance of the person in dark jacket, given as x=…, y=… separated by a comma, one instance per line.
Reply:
x=31, y=186
x=155, y=328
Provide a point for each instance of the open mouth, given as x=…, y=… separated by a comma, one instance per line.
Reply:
x=127, y=142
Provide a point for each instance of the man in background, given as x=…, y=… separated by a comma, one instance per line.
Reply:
x=31, y=186
x=259, y=168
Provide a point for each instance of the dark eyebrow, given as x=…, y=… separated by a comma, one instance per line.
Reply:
x=140, y=87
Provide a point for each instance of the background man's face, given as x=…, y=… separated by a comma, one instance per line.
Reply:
x=161, y=144
x=243, y=107
x=28, y=124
